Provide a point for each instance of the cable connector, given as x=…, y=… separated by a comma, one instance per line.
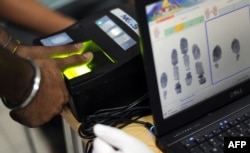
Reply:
x=150, y=127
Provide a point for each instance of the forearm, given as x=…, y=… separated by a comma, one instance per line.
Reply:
x=15, y=72
x=16, y=77
x=33, y=15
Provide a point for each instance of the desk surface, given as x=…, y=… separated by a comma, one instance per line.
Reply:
x=133, y=129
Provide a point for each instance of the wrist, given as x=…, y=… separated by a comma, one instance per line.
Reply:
x=36, y=80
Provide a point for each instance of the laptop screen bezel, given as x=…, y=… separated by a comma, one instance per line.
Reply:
x=163, y=126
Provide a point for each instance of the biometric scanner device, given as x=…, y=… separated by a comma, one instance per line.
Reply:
x=115, y=77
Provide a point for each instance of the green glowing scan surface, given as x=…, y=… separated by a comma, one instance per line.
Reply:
x=78, y=70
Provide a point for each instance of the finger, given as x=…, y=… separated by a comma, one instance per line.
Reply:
x=73, y=60
x=38, y=52
x=99, y=146
x=66, y=50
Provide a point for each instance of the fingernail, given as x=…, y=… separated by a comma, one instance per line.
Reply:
x=78, y=45
x=87, y=55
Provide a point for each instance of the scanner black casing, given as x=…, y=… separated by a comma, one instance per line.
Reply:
x=108, y=85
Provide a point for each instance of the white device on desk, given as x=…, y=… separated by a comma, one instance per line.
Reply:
x=116, y=76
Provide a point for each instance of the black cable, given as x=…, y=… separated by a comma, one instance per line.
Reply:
x=116, y=117
x=89, y=146
x=121, y=116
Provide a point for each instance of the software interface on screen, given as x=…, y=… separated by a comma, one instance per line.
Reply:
x=200, y=48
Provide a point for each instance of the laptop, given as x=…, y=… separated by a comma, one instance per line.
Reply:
x=197, y=61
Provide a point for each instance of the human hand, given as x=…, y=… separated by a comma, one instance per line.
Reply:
x=52, y=94
x=108, y=138
x=43, y=52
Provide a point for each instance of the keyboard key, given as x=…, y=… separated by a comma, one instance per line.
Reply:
x=221, y=136
x=199, y=139
x=241, y=127
x=222, y=146
x=215, y=142
x=217, y=131
x=209, y=135
x=234, y=122
x=248, y=131
x=188, y=144
x=244, y=134
x=241, y=118
x=232, y=132
x=217, y=150
x=247, y=123
x=195, y=149
x=225, y=127
x=247, y=115
x=205, y=146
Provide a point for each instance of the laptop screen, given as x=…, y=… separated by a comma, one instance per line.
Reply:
x=196, y=51
x=199, y=48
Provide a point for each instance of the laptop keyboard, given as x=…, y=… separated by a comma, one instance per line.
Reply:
x=213, y=141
